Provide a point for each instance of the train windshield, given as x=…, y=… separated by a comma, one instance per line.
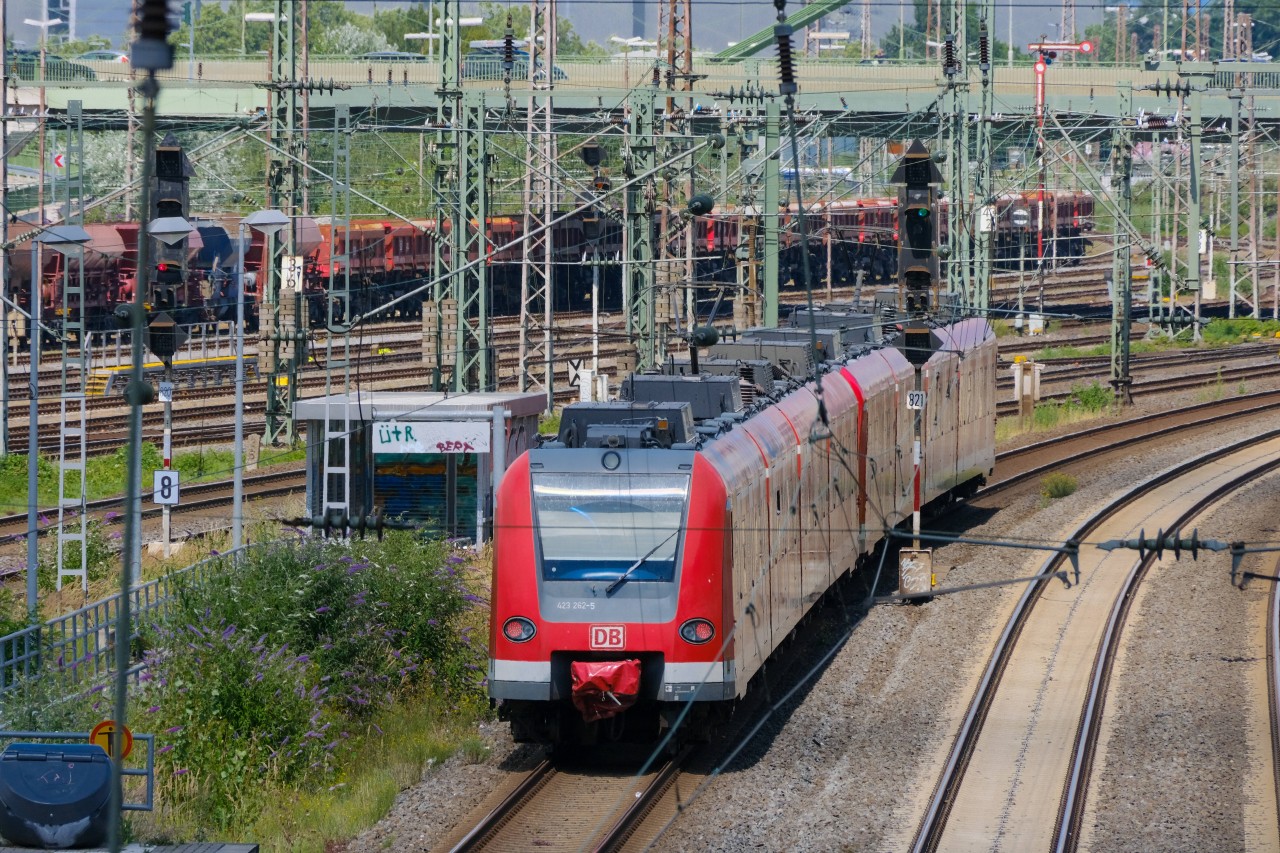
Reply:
x=597, y=527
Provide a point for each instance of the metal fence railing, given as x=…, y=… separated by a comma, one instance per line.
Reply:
x=78, y=648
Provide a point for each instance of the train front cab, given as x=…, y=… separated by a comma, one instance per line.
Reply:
x=569, y=524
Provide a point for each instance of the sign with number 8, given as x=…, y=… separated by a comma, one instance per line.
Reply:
x=165, y=488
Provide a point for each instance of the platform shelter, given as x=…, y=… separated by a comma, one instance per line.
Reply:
x=431, y=459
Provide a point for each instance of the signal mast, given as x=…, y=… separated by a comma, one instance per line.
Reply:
x=1047, y=52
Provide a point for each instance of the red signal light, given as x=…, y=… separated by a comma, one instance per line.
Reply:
x=1086, y=47
x=1040, y=67
x=161, y=267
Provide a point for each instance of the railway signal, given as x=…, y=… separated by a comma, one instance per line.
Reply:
x=918, y=178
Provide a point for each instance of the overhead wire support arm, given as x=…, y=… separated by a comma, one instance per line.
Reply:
x=484, y=256
x=787, y=88
x=1071, y=547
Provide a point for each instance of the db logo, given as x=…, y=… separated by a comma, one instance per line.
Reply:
x=608, y=637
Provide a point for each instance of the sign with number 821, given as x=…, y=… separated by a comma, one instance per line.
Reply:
x=915, y=399
x=165, y=490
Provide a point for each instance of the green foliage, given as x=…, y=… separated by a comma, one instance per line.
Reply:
x=1094, y=397
x=1223, y=331
x=204, y=463
x=100, y=556
x=261, y=674
x=549, y=424
x=1056, y=485
x=335, y=30
x=474, y=750
x=13, y=610
x=105, y=475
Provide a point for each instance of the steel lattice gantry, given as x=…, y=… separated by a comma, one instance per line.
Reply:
x=459, y=308
x=638, y=279
x=537, y=276
x=283, y=336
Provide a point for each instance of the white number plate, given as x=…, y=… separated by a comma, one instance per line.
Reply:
x=165, y=489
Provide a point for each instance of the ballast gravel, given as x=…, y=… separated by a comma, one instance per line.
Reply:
x=1178, y=772
x=849, y=761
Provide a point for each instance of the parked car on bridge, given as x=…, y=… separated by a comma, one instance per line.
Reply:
x=485, y=63
x=104, y=56
x=25, y=64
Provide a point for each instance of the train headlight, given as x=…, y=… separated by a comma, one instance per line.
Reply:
x=697, y=631
x=518, y=629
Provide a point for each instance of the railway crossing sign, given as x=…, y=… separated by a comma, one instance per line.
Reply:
x=165, y=488
x=112, y=738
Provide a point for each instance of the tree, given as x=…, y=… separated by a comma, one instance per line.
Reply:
x=330, y=26
x=568, y=42
x=911, y=37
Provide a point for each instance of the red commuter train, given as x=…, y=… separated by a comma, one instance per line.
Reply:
x=650, y=559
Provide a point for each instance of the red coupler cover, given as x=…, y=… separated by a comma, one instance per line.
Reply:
x=602, y=689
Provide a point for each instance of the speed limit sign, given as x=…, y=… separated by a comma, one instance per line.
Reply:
x=166, y=488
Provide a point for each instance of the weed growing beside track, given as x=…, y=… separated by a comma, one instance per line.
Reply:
x=314, y=674
x=104, y=475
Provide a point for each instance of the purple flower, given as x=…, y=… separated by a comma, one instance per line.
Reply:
x=230, y=629
x=153, y=709
x=323, y=609
x=173, y=730
x=378, y=728
x=166, y=748
x=181, y=772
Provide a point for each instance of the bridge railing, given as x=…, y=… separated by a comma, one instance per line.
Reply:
x=1074, y=87
x=621, y=71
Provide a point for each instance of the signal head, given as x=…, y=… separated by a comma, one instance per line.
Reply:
x=1040, y=66
x=1086, y=47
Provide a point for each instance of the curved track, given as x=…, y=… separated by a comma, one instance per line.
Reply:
x=977, y=800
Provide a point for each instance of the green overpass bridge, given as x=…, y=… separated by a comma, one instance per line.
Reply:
x=208, y=90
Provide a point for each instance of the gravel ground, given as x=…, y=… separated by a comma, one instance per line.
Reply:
x=1177, y=760
x=848, y=762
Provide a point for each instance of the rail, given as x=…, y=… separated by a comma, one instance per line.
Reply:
x=1071, y=815
x=929, y=833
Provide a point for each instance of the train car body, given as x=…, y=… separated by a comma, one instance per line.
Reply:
x=850, y=241
x=654, y=554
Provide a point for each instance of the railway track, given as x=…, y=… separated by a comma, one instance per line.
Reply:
x=1152, y=387
x=566, y=806
x=212, y=498
x=1020, y=465
x=1031, y=816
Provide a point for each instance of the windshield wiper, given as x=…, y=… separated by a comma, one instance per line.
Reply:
x=622, y=578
